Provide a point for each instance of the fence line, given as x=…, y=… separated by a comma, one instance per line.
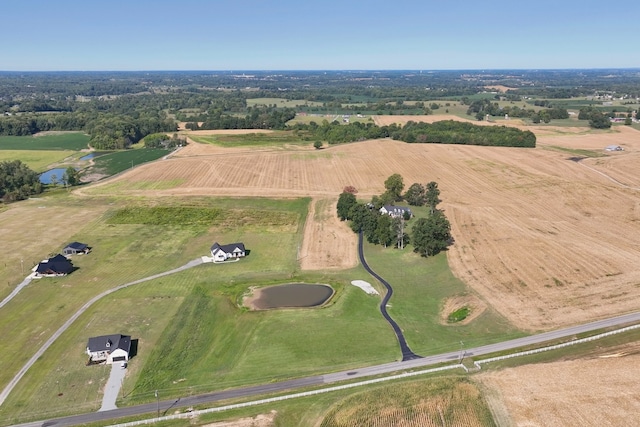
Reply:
x=286, y=397
x=372, y=381
x=477, y=363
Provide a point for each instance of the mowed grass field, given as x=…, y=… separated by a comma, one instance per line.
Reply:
x=193, y=336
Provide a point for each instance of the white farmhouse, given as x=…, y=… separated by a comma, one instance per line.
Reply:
x=222, y=253
x=109, y=348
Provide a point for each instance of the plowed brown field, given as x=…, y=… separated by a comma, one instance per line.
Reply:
x=597, y=392
x=547, y=241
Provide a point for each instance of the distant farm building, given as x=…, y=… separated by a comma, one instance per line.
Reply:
x=109, y=348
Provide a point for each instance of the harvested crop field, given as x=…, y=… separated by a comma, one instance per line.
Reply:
x=545, y=240
x=597, y=392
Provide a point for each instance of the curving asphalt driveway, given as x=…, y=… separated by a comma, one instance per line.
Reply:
x=407, y=354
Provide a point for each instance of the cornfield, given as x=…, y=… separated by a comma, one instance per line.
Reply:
x=430, y=403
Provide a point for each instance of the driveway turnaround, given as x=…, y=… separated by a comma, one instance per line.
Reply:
x=114, y=384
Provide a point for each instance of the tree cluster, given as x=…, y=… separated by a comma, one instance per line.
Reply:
x=455, y=132
x=428, y=235
x=17, y=181
x=162, y=140
x=338, y=133
x=597, y=119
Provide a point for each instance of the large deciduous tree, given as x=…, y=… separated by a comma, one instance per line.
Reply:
x=345, y=203
x=431, y=235
x=394, y=185
x=416, y=195
x=432, y=196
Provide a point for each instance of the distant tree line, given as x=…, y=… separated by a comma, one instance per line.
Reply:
x=17, y=181
x=455, y=132
x=257, y=118
x=429, y=236
x=482, y=107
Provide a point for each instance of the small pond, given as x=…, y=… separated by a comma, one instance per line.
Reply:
x=45, y=177
x=289, y=296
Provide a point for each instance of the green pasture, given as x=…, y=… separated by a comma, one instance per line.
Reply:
x=282, y=103
x=116, y=162
x=37, y=160
x=193, y=333
x=420, y=286
x=268, y=139
x=69, y=141
x=123, y=252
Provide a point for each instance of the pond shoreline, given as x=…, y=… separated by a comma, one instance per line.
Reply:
x=254, y=299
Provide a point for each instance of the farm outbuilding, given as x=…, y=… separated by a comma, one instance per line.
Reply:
x=76, y=248
x=109, y=348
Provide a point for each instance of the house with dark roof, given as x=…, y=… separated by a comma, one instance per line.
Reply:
x=76, y=248
x=109, y=348
x=395, y=211
x=222, y=253
x=58, y=265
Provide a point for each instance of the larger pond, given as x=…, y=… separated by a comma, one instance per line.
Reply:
x=289, y=296
x=46, y=177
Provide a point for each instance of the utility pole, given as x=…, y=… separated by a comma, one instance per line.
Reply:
x=158, y=403
x=461, y=351
x=22, y=265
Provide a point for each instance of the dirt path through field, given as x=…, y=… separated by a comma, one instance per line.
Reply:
x=328, y=243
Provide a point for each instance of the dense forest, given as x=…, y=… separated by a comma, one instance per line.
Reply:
x=17, y=181
x=454, y=132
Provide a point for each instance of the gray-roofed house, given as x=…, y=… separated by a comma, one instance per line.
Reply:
x=224, y=252
x=76, y=248
x=395, y=211
x=58, y=265
x=109, y=348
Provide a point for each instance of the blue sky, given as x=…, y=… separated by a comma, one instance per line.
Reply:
x=57, y=35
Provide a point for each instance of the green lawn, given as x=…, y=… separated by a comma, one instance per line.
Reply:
x=37, y=160
x=420, y=286
x=193, y=334
x=71, y=141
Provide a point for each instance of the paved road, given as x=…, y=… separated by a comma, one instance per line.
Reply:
x=167, y=405
x=407, y=354
x=51, y=340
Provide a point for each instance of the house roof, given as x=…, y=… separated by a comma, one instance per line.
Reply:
x=227, y=248
x=393, y=208
x=77, y=246
x=56, y=264
x=110, y=343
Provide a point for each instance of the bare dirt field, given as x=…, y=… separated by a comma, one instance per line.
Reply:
x=545, y=240
x=596, y=392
